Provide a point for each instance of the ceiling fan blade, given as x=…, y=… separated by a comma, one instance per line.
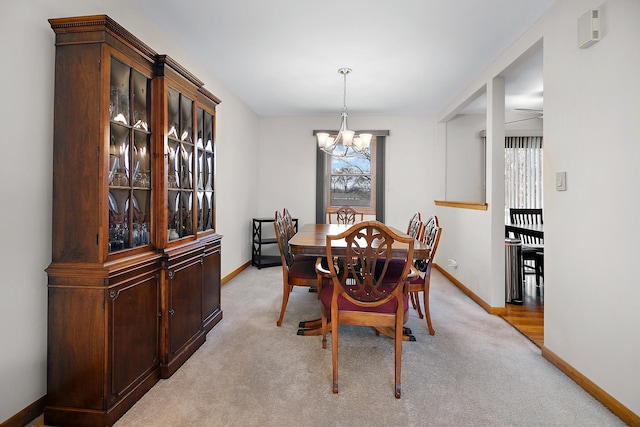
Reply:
x=532, y=110
x=522, y=120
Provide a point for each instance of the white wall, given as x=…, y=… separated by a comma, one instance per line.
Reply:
x=288, y=164
x=465, y=158
x=26, y=120
x=592, y=310
x=590, y=131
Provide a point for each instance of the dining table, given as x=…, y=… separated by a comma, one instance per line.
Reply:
x=311, y=240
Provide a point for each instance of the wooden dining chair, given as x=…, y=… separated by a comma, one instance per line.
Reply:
x=430, y=236
x=288, y=222
x=413, y=229
x=291, y=230
x=526, y=216
x=345, y=215
x=294, y=272
x=362, y=290
x=532, y=247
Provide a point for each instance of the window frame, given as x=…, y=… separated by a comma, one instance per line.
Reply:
x=367, y=210
x=378, y=178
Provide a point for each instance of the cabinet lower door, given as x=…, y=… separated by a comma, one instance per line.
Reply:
x=135, y=330
x=185, y=305
x=103, y=343
x=211, y=311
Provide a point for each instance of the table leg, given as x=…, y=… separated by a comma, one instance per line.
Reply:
x=407, y=335
x=311, y=327
x=314, y=328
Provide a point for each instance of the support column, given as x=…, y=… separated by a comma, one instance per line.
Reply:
x=495, y=185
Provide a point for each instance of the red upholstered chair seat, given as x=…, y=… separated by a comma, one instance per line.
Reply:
x=344, y=304
x=303, y=269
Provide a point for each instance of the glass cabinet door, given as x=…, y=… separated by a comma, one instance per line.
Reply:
x=180, y=165
x=205, y=174
x=129, y=158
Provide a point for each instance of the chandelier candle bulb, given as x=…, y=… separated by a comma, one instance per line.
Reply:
x=347, y=137
x=323, y=138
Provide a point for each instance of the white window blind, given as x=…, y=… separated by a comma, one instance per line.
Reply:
x=523, y=173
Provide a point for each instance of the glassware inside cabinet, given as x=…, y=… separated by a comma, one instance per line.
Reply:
x=129, y=174
x=141, y=160
x=119, y=156
x=141, y=101
x=141, y=207
x=118, y=219
x=119, y=92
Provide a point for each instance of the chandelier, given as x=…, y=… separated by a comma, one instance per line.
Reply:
x=346, y=143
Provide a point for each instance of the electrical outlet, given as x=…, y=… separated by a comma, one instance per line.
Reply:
x=452, y=263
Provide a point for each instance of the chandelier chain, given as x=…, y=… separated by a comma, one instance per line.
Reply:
x=344, y=95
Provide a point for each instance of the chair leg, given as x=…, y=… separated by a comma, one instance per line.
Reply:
x=324, y=329
x=427, y=313
x=415, y=302
x=398, y=354
x=539, y=268
x=334, y=348
x=285, y=299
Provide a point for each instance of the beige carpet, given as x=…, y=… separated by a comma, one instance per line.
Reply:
x=476, y=371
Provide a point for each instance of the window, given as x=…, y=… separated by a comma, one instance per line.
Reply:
x=349, y=181
x=355, y=181
x=522, y=173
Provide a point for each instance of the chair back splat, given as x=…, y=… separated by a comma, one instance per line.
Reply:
x=526, y=216
x=364, y=290
x=414, y=225
x=288, y=222
x=345, y=215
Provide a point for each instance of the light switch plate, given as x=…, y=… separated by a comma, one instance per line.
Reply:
x=561, y=181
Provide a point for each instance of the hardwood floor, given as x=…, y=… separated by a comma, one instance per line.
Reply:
x=528, y=318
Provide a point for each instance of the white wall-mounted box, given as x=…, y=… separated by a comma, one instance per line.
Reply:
x=589, y=28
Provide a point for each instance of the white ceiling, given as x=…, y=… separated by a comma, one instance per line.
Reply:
x=408, y=56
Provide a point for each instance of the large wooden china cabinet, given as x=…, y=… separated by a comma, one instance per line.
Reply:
x=134, y=282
